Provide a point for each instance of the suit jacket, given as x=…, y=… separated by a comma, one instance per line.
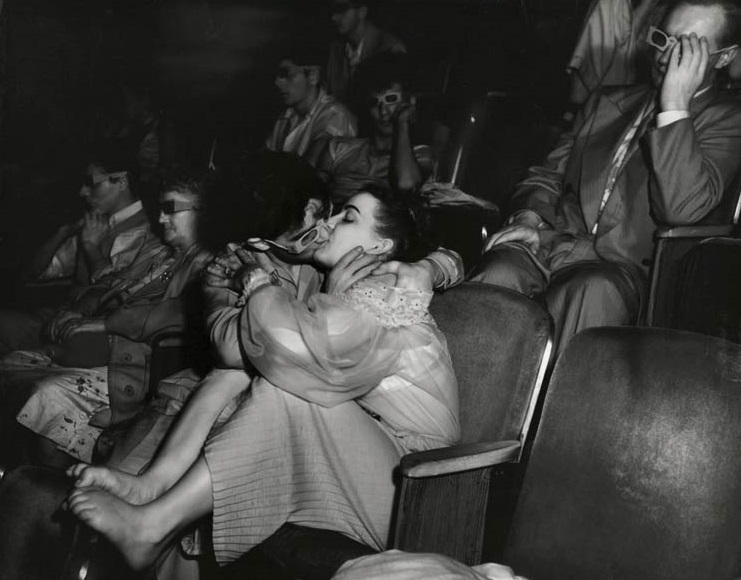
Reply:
x=675, y=175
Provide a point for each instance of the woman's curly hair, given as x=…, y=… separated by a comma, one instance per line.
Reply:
x=405, y=219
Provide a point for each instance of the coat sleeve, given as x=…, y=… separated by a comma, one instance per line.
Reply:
x=694, y=160
x=541, y=190
x=322, y=351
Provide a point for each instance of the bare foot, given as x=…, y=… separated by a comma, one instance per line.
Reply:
x=134, y=530
x=132, y=489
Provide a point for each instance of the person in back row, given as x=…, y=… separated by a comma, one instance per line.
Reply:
x=359, y=39
x=386, y=156
x=312, y=115
x=110, y=245
x=583, y=224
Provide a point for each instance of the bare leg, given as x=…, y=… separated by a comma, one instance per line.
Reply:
x=181, y=448
x=142, y=532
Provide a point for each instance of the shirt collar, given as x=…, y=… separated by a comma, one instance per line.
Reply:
x=320, y=98
x=125, y=213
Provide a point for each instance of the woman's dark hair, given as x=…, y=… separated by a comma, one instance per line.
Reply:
x=405, y=219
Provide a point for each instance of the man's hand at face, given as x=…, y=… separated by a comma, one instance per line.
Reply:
x=351, y=268
x=685, y=73
x=94, y=228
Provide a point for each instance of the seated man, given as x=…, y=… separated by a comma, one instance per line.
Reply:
x=583, y=228
x=359, y=39
x=112, y=243
x=311, y=114
x=387, y=156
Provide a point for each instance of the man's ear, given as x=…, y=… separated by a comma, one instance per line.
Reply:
x=363, y=11
x=382, y=247
x=726, y=58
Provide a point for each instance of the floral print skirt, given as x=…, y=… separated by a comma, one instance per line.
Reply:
x=62, y=401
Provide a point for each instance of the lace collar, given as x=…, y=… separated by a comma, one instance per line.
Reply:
x=391, y=306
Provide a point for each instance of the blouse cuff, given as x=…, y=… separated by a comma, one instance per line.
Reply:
x=257, y=278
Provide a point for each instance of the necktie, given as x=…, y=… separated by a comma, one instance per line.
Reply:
x=618, y=161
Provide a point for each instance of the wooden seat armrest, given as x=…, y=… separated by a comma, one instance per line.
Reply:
x=458, y=458
x=694, y=231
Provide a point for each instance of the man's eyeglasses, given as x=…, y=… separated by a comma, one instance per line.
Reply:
x=288, y=73
x=89, y=180
x=661, y=41
x=388, y=98
x=172, y=206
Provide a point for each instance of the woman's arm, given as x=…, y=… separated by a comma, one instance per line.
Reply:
x=324, y=351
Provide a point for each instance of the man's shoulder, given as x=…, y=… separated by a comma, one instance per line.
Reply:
x=379, y=41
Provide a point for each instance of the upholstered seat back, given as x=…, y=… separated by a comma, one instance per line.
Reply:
x=497, y=340
x=635, y=473
x=709, y=296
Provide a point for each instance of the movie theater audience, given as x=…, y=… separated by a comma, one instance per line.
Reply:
x=359, y=39
x=386, y=156
x=95, y=374
x=109, y=247
x=311, y=115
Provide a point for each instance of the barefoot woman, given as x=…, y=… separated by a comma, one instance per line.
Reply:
x=350, y=384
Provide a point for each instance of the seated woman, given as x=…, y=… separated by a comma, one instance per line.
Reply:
x=75, y=392
x=349, y=384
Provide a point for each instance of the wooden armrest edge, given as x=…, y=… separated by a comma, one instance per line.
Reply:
x=458, y=458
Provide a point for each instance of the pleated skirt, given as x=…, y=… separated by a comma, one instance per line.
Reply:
x=281, y=459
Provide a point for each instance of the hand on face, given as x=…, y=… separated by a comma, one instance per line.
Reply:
x=414, y=276
x=351, y=268
x=404, y=114
x=686, y=66
x=94, y=228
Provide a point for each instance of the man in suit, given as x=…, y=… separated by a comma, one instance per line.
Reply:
x=359, y=39
x=582, y=228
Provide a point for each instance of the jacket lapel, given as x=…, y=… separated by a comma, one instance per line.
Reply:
x=613, y=118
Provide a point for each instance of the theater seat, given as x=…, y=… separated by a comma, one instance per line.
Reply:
x=635, y=472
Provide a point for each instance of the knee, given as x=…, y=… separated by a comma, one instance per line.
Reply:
x=508, y=268
x=604, y=288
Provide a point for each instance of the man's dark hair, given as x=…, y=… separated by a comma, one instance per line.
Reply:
x=380, y=72
x=262, y=195
x=305, y=54
x=114, y=156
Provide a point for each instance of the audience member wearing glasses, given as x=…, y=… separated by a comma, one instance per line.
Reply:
x=637, y=157
x=94, y=376
x=359, y=39
x=109, y=246
x=312, y=114
x=348, y=382
x=387, y=156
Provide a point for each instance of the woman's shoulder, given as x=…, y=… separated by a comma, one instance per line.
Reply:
x=391, y=305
